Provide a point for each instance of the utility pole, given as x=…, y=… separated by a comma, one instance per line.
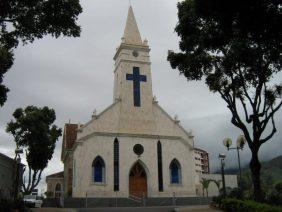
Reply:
x=222, y=157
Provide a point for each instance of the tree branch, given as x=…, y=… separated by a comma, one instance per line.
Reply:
x=29, y=178
x=23, y=180
x=235, y=117
x=264, y=103
x=268, y=117
x=34, y=178
x=248, y=120
x=38, y=179
x=274, y=130
x=245, y=88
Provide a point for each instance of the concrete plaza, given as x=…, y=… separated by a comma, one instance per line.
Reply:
x=202, y=208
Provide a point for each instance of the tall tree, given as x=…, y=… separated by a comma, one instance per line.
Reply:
x=33, y=130
x=27, y=20
x=235, y=46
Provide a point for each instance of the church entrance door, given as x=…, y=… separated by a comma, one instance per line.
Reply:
x=137, y=181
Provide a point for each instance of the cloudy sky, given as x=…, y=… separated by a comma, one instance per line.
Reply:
x=75, y=76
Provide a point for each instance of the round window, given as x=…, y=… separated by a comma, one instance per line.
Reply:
x=138, y=149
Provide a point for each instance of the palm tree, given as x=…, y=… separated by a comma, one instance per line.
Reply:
x=217, y=183
x=205, y=184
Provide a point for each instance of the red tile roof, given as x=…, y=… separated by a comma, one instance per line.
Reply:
x=70, y=135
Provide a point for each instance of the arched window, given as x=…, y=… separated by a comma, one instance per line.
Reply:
x=175, y=172
x=98, y=170
x=58, y=190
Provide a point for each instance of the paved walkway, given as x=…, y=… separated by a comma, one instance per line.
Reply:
x=202, y=208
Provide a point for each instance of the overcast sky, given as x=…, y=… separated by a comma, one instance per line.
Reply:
x=75, y=76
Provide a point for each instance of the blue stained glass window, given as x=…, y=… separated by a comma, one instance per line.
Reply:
x=116, y=165
x=175, y=172
x=160, y=166
x=98, y=170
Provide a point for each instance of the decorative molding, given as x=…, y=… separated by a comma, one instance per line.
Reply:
x=131, y=47
x=130, y=61
x=114, y=135
x=109, y=134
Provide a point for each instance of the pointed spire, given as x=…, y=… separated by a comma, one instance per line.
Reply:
x=131, y=32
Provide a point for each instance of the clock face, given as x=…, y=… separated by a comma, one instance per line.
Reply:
x=135, y=53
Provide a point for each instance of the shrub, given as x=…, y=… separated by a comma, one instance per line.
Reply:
x=10, y=206
x=236, y=193
x=234, y=205
x=218, y=199
x=49, y=194
x=274, y=199
x=278, y=187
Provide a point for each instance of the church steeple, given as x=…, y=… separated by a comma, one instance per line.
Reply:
x=131, y=33
x=133, y=81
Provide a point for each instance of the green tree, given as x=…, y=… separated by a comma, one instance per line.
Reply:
x=49, y=194
x=27, y=20
x=205, y=185
x=278, y=187
x=245, y=183
x=236, y=47
x=33, y=130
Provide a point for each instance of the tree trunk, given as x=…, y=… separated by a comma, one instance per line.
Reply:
x=255, y=167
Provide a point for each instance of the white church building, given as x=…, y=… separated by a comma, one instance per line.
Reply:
x=133, y=147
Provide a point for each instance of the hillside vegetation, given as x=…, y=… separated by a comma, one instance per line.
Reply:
x=271, y=174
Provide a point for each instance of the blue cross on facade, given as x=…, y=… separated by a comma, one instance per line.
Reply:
x=136, y=78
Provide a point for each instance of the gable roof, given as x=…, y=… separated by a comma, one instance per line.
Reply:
x=56, y=175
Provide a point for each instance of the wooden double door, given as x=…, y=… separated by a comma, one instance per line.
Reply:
x=137, y=181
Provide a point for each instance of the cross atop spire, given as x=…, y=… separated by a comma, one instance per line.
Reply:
x=131, y=32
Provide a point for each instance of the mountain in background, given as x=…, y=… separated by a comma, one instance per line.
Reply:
x=271, y=173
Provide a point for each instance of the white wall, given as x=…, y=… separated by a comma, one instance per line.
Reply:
x=103, y=146
x=230, y=181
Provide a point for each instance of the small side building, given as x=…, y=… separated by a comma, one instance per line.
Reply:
x=55, y=184
x=61, y=182
x=8, y=170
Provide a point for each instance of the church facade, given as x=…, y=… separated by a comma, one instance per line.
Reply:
x=133, y=147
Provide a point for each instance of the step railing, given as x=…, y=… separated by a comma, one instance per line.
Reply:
x=139, y=198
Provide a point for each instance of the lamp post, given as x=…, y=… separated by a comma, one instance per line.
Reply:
x=17, y=159
x=222, y=157
x=240, y=145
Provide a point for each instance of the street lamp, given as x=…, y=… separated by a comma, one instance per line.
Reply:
x=241, y=140
x=222, y=157
x=17, y=159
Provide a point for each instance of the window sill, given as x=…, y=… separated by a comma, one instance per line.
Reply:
x=98, y=184
x=176, y=184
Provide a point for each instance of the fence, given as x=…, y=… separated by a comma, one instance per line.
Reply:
x=141, y=200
